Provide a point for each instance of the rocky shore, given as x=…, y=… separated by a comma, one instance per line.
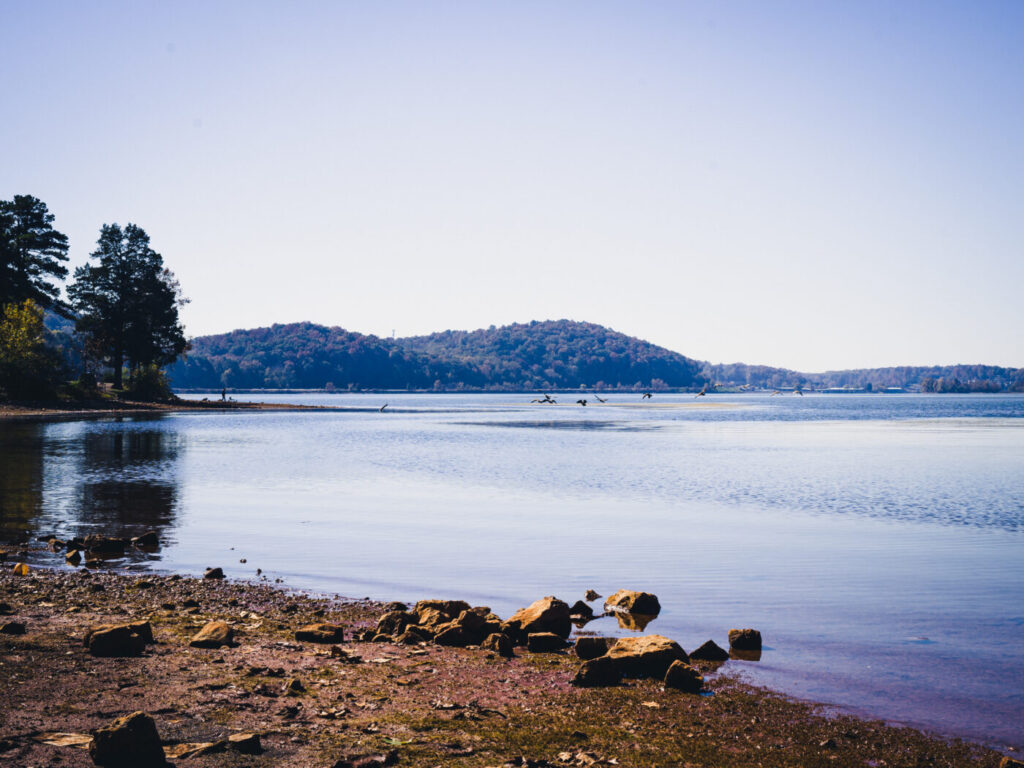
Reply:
x=240, y=674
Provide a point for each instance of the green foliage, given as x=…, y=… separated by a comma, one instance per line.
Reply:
x=128, y=303
x=541, y=355
x=28, y=369
x=936, y=378
x=31, y=253
x=150, y=384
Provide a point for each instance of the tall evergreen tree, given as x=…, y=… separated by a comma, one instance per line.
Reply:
x=32, y=253
x=128, y=302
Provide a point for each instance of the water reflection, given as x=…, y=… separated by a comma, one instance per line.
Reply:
x=118, y=478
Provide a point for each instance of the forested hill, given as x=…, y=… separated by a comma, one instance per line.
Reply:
x=559, y=354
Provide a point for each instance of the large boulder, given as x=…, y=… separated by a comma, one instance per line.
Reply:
x=213, y=635
x=710, y=651
x=131, y=741
x=320, y=633
x=682, y=677
x=113, y=640
x=414, y=635
x=432, y=618
x=450, y=608
x=645, y=656
x=546, y=615
x=592, y=647
x=745, y=639
x=595, y=672
x=629, y=601
x=454, y=635
x=395, y=622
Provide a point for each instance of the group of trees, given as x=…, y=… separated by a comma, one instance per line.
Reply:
x=542, y=355
x=123, y=304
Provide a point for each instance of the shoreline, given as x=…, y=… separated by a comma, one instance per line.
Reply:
x=423, y=704
x=106, y=408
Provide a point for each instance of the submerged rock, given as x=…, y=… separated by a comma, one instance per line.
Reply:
x=591, y=595
x=629, y=601
x=148, y=540
x=645, y=656
x=745, y=639
x=131, y=741
x=683, y=677
x=581, y=610
x=709, y=651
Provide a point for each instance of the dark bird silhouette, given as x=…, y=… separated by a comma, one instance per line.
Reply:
x=647, y=396
x=582, y=402
x=383, y=407
x=600, y=399
x=703, y=392
x=799, y=391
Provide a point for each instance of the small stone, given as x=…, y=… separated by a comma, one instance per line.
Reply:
x=320, y=633
x=148, y=540
x=498, y=642
x=745, y=639
x=601, y=671
x=12, y=628
x=128, y=742
x=214, y=573
x=294, y=687
x=581, y=610
x=246, y=743
x=634, y=602
x=189, y=603
x=73, y=556
x=213, y=635
x=396, y=606
x=544, y=642
x=682, y=677
x=1009, y=762
x=590, y=595
x=710, y=651
x=115, y=640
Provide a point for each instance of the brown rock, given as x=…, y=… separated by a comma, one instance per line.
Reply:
x=581, y=610
x=432, y=618
x=104, y=545
x=683, y=677
x=294, y=687
x=544, y=642
x=498, y=642
x=709, y=651
x=745, y=639
x=546, y=615
x=367, y=761
x=396, y=606
x=213, y=635
x=471, y=621
x=148, y=540
x=597, y=672
x=592, y=647
x=591, y=595
x=645, y=656
x=141, y=628
x=246, y=743
x=628, y=601
x=453, y=635
x=128, y=742
x=114, y=640
x=414, y=635
x=395, y=622
x=73, y=556
x=320, y=633
x=6, y=609
x=450, y=608
x=1009, y=762
x=214, y=573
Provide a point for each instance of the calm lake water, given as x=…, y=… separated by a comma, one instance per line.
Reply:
x=876, y=541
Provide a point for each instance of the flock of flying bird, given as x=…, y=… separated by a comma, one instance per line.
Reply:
x=646, y=396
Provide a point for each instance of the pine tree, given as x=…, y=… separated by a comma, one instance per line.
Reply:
x=32, y=253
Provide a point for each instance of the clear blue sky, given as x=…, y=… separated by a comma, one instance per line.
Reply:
x=807, y=184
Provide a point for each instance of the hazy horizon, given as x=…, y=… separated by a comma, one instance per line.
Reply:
x=812, y=186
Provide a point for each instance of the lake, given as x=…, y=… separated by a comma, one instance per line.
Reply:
x=876, y=541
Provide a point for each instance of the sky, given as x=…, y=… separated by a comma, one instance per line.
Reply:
x=814, y=185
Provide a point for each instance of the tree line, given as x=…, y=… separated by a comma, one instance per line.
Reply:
x=119, y=318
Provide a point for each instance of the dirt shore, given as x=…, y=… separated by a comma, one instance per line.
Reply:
x=411, y=705
x=57, y=411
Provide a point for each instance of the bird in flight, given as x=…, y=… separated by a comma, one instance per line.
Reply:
x=582, y=402
x=600, y=399
x=383, y=407
x=647, y=396
x=546, y=399
x=703, y=392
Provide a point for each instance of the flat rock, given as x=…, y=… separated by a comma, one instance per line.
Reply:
x=682, y=677
x=710, y=651
x=213, y=635
x=246, y=743
x=645, y=656
x=320, y=633
x=548, y=614
x=131, y=741
x=116, y=640
x=597, y=672
x=450, y=608
x=745, y=639
x=629, y=601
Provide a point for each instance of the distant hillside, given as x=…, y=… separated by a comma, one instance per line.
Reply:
x=935, y=378
x=558, y=354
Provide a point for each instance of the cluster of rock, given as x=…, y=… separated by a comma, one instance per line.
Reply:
x=544, y=627
x=98, y=547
